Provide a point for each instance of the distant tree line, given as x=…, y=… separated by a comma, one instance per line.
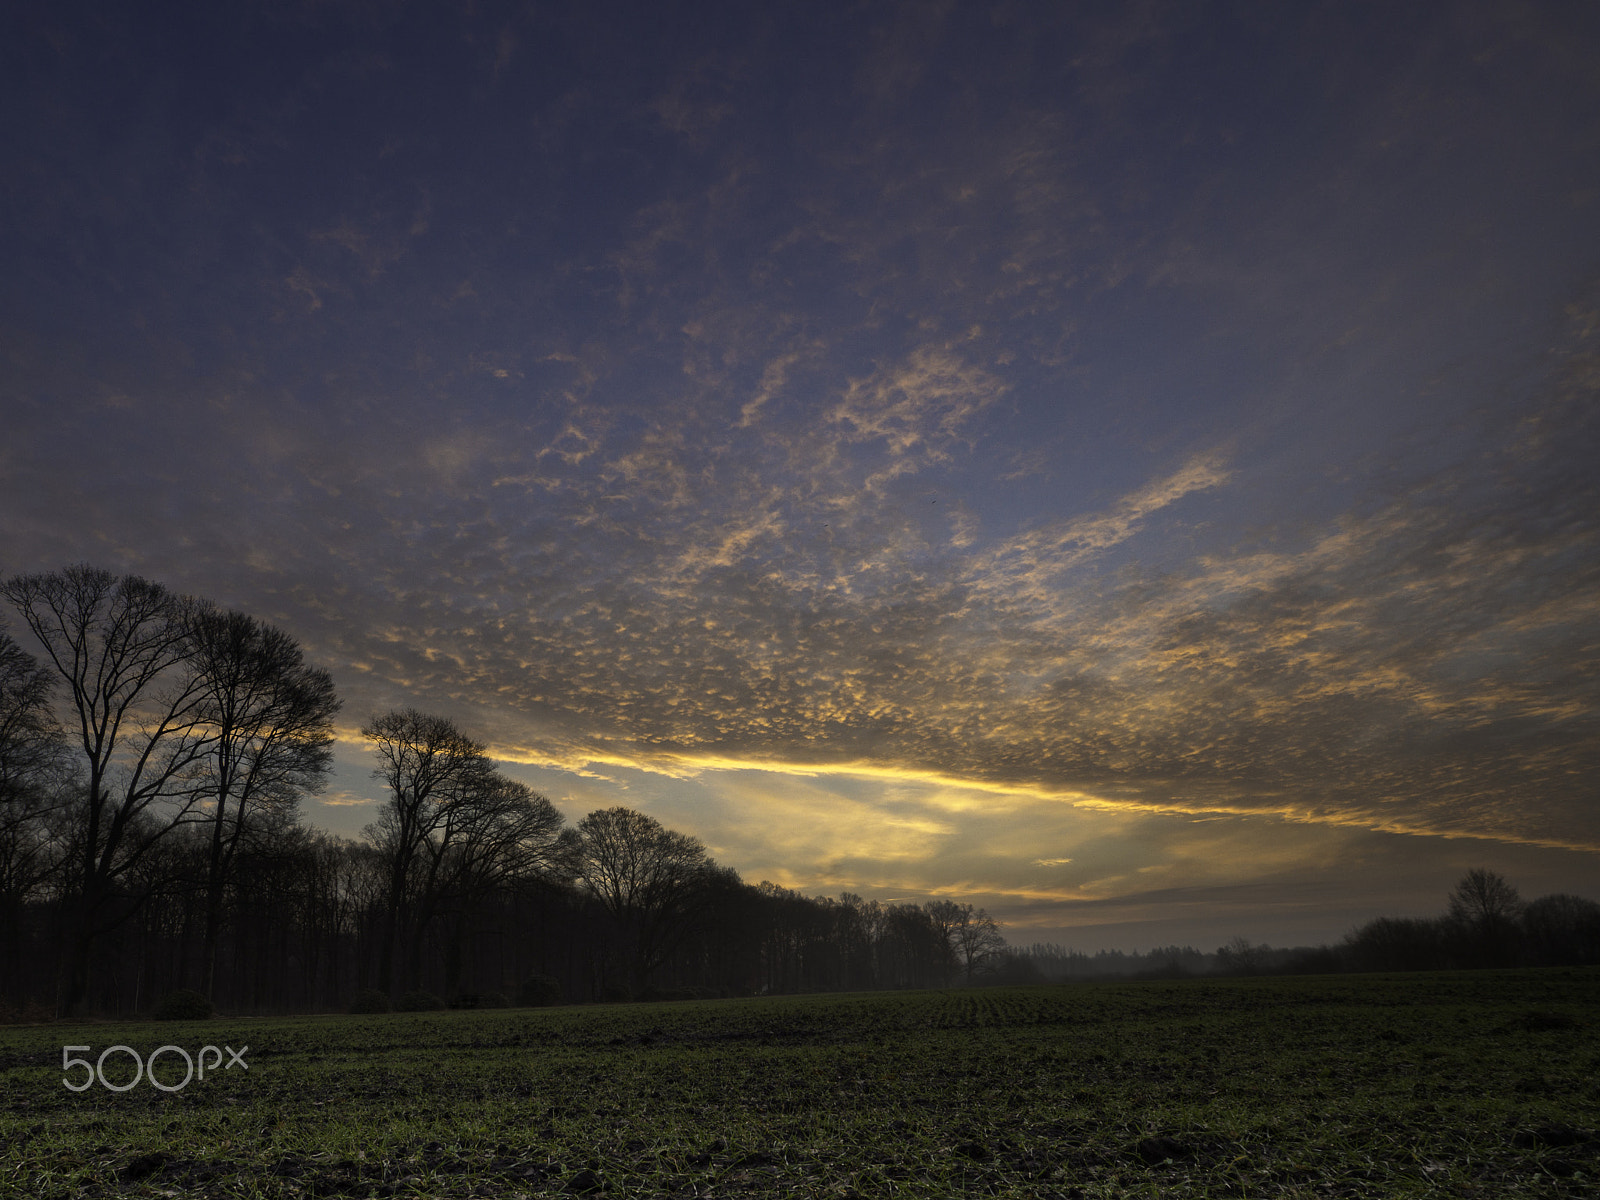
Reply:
x=1485, y=924
x=153, y=759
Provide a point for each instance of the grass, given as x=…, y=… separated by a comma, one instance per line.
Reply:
x=1484, y=1084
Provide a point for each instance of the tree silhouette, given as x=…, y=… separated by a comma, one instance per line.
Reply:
x=1562, y=930
x=1483, y=898
x=34, y=780
x=945, y=916
x=973, y=937
x=499, y=833
x=652, y=881
x=122, y=647
x=30, y=738
x=1483, y=911
x=271, y=716
x=430, y=768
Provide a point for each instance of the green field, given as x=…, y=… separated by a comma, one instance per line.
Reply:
x=1484, y=1084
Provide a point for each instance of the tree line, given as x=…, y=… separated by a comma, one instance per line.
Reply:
x=154, y=756
x=153, y=760
x=1485, y=924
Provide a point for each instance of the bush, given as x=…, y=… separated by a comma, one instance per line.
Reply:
x=29, y=1013
x=370, y=1000
x=539, y=991
x=481, y=1000
x=184, y=1005
x=419, y=1002
x=681, y=993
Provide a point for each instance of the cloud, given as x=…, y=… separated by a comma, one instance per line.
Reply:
x=965, y=422
x=1412, y=667
x=680, y=599
x=1030, y=564
x=344, y=800
x=918, y=404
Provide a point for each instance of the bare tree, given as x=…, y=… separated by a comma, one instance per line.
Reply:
x=431, y=769
x=977, y=942
x=946, y=916
x=912, y=950
x=856, y=931
x=971, y=936
x=1484, y=898
x=503, y=832
x=500, y=832
x=122, y=647
x=34, y=782
x=30, y=737
x=271, y=716
x=1483, y=913
x=652, y=880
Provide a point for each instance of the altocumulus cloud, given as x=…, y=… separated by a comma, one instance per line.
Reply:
x=1417, y=664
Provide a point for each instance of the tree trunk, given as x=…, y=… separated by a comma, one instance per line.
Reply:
x=215, y=870
x=454, y=955
x=73, y=996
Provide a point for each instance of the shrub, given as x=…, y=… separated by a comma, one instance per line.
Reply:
x=681, y=993
x=370, y=1000
x=481, y=1000
x=183, y=1005
x=29, y=1013
x=539, y=991
x=419, y=1002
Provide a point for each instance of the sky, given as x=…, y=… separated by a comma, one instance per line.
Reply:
x=1128, y=466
